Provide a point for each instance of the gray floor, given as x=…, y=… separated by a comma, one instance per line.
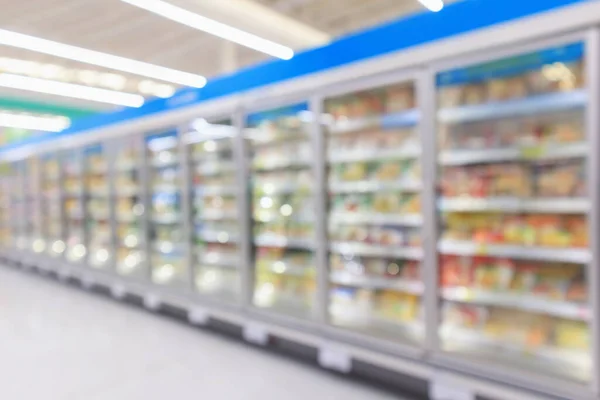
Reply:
x=59, y=343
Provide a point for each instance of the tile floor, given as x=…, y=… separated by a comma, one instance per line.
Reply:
x=60, y=343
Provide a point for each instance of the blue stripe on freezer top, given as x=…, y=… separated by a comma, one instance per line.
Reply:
x=512, y=65
x=280, y=112
x=461, y=17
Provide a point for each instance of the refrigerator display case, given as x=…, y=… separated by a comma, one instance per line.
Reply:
x=129, y=208
x=214, y=203
x=5, y=208
x=51, y=205
x=282, y=210
x=514, y=251
x=374, y=220
x=98, y=235
x=35, y=242
x=21, y=221
x=73, y=205
x=167, y=239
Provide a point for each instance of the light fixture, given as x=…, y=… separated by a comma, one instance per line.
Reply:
x=22, y=41
x=70, y=90
x=433, y=5
x=34, y=123
x=213, y=27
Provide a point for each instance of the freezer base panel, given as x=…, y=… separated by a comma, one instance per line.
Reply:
x=319, y=346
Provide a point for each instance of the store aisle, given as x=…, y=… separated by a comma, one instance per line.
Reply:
x=58, y=343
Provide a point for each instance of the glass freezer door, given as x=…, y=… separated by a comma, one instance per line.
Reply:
x=73, y=190
x=167, y=260
x=216, y=220
x=51, y=204
x=5, y=209
x=513, y=243
x=129, y=208
x=97, y=207
x=283, y=211
x=374, y=219
x=35, y=240
x=17, y=205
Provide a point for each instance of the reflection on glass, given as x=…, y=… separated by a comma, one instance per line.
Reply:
x=51, y=205
x=514, y=237
x=97, y=207
x=375, y=213
x=216, y=231
x=166, y=236
x=6, y=232
x=73, y=206
x=129, y=209
x=283, y=210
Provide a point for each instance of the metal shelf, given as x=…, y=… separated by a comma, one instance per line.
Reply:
x=545, y=103
x=167, y=247
x=466, y=248
x=215, y=259
x=211, y=168
x=215, y=215
x=407, y=152
x=283, y=163
x=513, y=204
x=291, y=269
x=374, y=186
x=548, y=151
x=340, y=217
x=368, y=250
x=166, y=219
x=403, y=119
x=217, y=237
x=205, y=191
x=166, y=188
x=525, y=302
x=282, y=188
x=283, y=241
x=346, y=278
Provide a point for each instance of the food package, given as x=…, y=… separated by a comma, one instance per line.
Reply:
x=165, y=203
x=397, y=306
x=464, y=315
x=400, y=98
x=572, y=335
x=451, y=96
x=560, y=179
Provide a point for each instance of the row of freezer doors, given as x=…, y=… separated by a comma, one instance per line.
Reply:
x=511, y=213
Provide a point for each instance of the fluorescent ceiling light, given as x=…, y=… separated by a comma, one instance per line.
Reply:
x=213, y=27
x=70, y=90
x=433, y=5
x=21, y=41
x=34, y=123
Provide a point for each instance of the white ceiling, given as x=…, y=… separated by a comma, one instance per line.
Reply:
x=115, y=27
